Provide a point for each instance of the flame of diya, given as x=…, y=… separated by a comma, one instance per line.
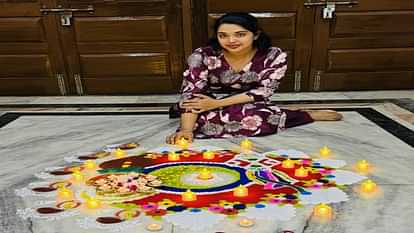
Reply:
x=183, y=143
x=368, y=186
x=322, y=211
x=246, y=144
x=241, y=191
x=90, y=164
x=208, y=155
x=363, y=166
x=172, y=156
x=119, y=153
x=205, y=174
x=288, y=163
x=325, y=151
x=65, y=193
x=189, y=196
x=245, y=222
x=301, y=172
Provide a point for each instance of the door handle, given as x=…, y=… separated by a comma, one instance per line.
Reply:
x=343, y=3
x=328, y=11
x=65, y=19
x=46, y=11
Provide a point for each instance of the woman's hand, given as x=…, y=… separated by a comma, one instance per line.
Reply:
x=200, y=104
x=175, y=137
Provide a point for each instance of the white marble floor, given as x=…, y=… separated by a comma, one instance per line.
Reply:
x=33, y=142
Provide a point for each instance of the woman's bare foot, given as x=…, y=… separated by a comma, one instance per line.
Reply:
x=324, y=115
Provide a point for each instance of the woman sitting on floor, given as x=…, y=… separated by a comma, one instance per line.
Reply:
x=227, y=86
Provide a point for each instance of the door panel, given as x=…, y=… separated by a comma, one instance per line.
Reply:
x=124, y=47
x=24, y=65
x=356, y=80
x=354, y=60
x=21, y=29
x=383, y=5
x=121, y=29
x=146, y=64
x=28, y=59
x=372, y=23
x=256, y=6
x=363, y=49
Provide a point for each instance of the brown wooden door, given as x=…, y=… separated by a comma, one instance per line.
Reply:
x=136, y=46
x=367, y=47
x=123, y=47
x=287, y=23
x=30, y=62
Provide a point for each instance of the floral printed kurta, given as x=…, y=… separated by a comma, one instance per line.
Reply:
x=208, y=73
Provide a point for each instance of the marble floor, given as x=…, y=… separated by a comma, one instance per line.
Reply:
x=39, y=132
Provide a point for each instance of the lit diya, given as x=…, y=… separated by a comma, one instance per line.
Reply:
x=322, y=211
x=241, y=191
x=172, y=156
x=363, y=167
x=325, y=151
x=246, y=144
x=154, y=227
x=205, y=174
x=183, y=143
x=208, y=155
x=188, y=196
x=245, y=222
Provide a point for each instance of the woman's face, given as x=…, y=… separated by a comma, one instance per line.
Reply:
x=235, y=38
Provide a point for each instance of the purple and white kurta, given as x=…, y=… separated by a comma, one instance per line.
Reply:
x=208, y=73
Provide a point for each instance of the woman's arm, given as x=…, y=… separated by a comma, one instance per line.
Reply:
x=204, y=103
x=188, y=120
x=235, y=99
x=194, y=81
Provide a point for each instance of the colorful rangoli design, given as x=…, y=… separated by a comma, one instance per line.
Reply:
x=123, y=186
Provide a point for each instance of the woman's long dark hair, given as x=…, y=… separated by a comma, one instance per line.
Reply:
x=245, y=20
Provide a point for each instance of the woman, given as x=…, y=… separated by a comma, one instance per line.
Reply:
x=241, y=64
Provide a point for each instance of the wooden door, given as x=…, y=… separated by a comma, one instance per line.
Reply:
x=367, y=47
x=30, y=62
x=287, y=23
x=123, y=46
